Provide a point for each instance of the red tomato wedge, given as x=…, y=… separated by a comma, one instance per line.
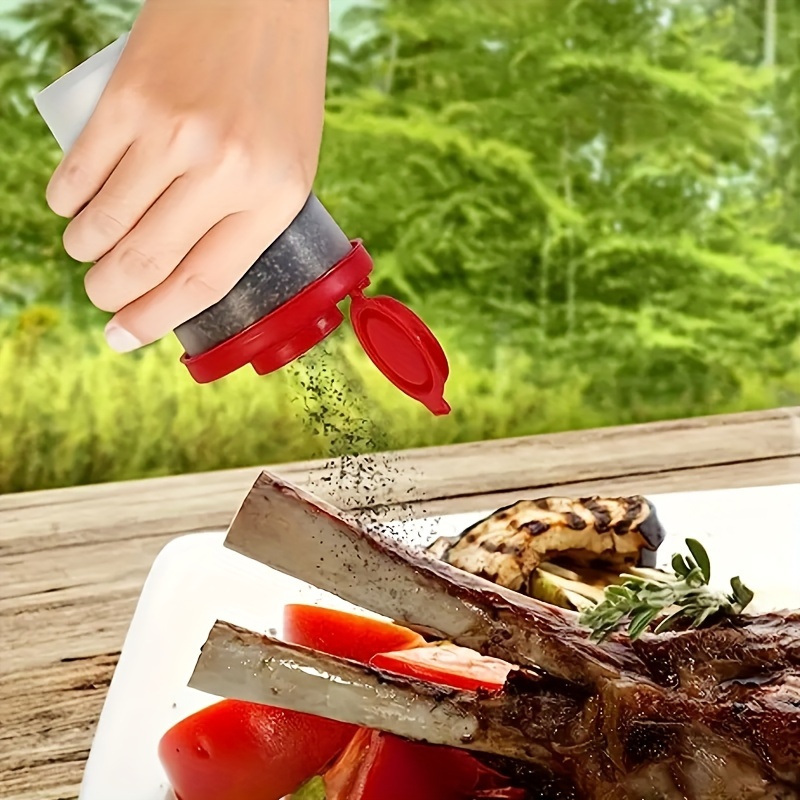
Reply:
x=378, y=766
x=448, y=665
x=345, y=635
x=243, y=751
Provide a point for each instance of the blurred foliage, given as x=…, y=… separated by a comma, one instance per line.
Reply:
x=595, y=201
x=75, y=413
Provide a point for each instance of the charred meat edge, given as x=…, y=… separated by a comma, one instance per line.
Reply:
x=289, y=530
x=598, y=745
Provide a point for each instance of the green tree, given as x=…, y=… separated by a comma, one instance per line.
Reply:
x=593, y=174
x=60, y=34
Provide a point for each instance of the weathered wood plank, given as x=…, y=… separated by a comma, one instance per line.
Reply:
x=198, y=502
x=73, y=561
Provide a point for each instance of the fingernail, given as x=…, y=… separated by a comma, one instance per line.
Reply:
x=121, y=340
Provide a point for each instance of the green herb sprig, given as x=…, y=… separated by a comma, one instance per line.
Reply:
x=683, y=595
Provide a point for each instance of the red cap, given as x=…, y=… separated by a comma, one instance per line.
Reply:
x=403, y=348
x=397, y=341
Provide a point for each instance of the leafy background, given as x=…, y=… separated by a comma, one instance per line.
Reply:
x=593, y=202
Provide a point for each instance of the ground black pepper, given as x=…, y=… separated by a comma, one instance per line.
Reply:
x=352, y=436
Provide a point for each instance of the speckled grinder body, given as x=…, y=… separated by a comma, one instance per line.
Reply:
x=305, y=251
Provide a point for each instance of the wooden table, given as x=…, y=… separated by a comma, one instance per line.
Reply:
x=72, y=561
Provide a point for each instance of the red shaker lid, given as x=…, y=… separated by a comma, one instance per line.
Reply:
x=397, y=341
x=290, y=330
x=403, y=348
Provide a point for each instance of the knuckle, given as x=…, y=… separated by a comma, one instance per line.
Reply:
x=92, y=234
x=137, y=265
x=122, y=277
x=209, y=147
x=193, y=134
x=236, y=157
x=181, y=132
x=100, y=291
x=67, y=187
x=106, y=224
x=203, y=289
x=128, y=101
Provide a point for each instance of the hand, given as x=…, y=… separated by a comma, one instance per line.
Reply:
x=201, y=152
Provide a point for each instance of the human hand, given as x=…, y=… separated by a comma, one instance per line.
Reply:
x=200, y=153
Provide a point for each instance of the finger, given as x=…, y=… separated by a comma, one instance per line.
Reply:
x=86, y=167
x=149, y=254
x=204, y=277
x=136, y=183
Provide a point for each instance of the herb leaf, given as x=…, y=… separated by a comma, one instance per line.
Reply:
x=680, y=566
x=741, y=593
x=683, y=596
x=700, y=556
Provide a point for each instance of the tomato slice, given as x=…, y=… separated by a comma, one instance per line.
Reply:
x=378, y=766
x=448, y=665
x=345, y=635
x=242, y=751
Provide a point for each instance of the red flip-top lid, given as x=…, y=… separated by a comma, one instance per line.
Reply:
x=403, y=348
x=397, y=341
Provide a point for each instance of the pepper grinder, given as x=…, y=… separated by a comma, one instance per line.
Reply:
x=288, y=301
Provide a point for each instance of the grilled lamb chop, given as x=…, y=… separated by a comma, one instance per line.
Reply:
x=704, y=715
x=626, y=740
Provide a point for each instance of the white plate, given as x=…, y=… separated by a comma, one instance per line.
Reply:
x=195, y=580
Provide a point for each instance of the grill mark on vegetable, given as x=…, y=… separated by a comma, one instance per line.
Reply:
x=602, y=516
x=575, y=522
x=508, y=546
x=534, y=528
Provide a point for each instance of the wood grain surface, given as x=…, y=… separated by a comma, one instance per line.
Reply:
x=72, y=561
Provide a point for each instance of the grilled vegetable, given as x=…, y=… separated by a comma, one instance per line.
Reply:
x=556, y=549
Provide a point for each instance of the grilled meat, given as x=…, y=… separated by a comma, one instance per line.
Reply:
x=709, y=714
x=291, y=531
x=625, y=740
x=601, y=534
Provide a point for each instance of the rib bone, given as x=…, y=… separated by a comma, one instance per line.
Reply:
x=290, y=530
x=626, y=742
x=243, y=665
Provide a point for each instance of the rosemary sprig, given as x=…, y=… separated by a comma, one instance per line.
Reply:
x=683, y=595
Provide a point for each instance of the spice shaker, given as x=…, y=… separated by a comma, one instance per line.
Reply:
x=288, y=301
